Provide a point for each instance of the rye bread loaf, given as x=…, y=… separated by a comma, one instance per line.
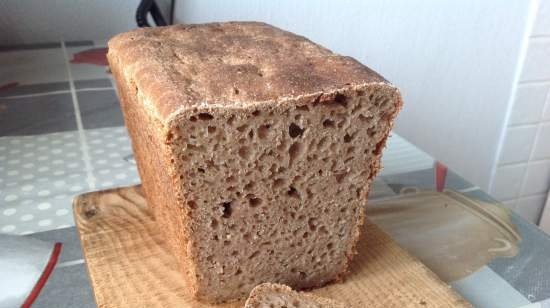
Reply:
x=255, y=147
x=268, y=295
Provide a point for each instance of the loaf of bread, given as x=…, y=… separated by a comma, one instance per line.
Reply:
x=255, y=147
x=268, y=295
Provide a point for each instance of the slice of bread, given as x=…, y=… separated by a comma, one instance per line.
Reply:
x=268, y=295
x=255, y=147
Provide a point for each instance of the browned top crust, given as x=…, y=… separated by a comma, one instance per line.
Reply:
x=231, y=64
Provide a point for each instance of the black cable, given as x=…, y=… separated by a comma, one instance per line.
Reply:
x=141, y=13
x=172, y=6
x=149, y=6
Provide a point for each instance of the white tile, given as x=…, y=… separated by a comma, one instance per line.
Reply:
x=530, y=207
x=528, y=103
x=537, y=178
x=507, y=182
x=542, y=21
x=33, y=66
x=546, y=114
x=542, y=145
x=537, y=60
x=517, y=144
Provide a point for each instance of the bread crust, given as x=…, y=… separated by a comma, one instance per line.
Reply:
x=230, y=64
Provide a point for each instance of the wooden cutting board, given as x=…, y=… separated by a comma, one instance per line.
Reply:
x=129, y=264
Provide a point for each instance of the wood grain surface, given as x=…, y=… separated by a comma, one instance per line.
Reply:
x=129, y=264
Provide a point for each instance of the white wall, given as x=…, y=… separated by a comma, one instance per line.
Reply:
x=522, y=177
x=455, y=61
x=32, y=21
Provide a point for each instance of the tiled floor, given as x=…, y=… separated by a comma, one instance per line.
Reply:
x=48, y=154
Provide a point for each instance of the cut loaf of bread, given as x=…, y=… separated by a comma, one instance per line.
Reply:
x=255, y=148
x=268, y=295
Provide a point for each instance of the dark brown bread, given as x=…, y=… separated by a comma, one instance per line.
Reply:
x=256, y=148
x=268, y=295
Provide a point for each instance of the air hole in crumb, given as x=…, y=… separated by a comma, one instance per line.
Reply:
x=256, y=113
x=254, y=255
x=371, y=132
x=238, y=272
x=347, y=138
x=295, y=150
x=295, y=130
x=205, y=116
x=251, y=134
x=263, y=130
x=312, y=223
x=214, y=223
x=231, y=120
x=226, y=243
x=305, y=235
x=340, y=99
x=293, y=192
x=193, y=119
x=242, y=128
x=236, y=91
x=244, y=152
x=247, y=236
x=328, y=123
x=249, y=186
x=254, y=202
x=226, y=209
x=278, y=183
x=192, y=204
x=302, y=275
x=211, y=129
x=201, y=170
x=302, y=108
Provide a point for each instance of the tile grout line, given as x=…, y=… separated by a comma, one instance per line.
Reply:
x=56, y=92
x=532, y=82
x=528, y=162
x=83, y=143
x=528, y=125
